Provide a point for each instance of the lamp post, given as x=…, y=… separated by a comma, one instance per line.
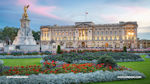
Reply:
x=40, y=40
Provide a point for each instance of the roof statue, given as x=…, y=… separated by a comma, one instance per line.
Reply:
x=25, y=15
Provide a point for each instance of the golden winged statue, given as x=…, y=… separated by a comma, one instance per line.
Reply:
x=25, y=11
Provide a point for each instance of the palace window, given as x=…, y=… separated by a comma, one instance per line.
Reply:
x=98, y=32
x=95, y=38
x=99, y=38
x=102, y=32
x=110, y=32
x=113, y=38
x=74, y=33
x=108, y=38
x=106, y=32
x=115, y=32
x=104, y=38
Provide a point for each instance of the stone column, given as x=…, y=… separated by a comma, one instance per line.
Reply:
x=121, y=45
x=141, y=46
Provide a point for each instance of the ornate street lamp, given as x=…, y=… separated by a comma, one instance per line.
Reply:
x=40, y=40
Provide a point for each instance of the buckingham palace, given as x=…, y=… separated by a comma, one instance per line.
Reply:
x=90, y=35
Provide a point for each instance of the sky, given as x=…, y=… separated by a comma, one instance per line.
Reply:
x=67, y=12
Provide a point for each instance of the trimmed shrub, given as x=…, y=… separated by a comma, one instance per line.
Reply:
x=107, y=60
x=59, y=49
x=124, y=49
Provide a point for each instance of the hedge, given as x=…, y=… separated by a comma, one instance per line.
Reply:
x=89, y=56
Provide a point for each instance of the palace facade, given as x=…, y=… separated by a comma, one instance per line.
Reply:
x=90, y=35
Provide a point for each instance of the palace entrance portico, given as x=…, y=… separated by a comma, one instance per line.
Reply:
x=83, y=45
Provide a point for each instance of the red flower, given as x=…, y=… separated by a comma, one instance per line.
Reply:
x=44, y=63
x=45, y=71
x=37, y=70
x=27, y=74
x=54, y=65
x=55, y=71
x=102, y=63
x=14, y=70
x=100, y=66
x=51, y=72
x=110, y=67
x=39, y=66
x=17, y=72
x=22, y=66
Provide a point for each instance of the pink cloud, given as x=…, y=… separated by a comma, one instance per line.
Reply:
x=109, y=18
x=41, y=10
x=133, y=9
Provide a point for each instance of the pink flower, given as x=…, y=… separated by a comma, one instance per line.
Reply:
x=52, y=61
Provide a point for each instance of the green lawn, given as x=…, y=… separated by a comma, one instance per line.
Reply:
x=143, y=67
x=21, y=62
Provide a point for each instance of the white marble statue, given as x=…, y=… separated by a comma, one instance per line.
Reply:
x=24, y=36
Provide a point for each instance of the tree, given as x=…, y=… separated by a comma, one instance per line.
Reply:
x=1, y=34
x=9, y=33
x=36, y=35
x=59, y=49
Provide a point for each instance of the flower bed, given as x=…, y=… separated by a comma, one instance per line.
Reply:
x=72, y=78
x=89, y=56
x=51, y=73
x=65, y=68
x=21, y=57
x=148, y=56
x=26, y=53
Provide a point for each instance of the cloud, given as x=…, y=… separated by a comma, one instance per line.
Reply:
x=144, y=29
x=144, y=35
x=128, y=13
x=38, y=9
